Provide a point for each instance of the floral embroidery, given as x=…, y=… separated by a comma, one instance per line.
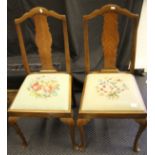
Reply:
x=111, y=87
x=43, y=87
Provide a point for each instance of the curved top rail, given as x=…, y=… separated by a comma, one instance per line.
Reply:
x=39, y=10
x=110, y=8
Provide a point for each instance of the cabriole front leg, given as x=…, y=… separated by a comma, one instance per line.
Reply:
x=142, y=125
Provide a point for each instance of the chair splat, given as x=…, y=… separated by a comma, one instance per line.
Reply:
x=110, y=40
x=43, y=41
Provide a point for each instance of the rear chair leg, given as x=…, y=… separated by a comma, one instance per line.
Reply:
x=71, y=123
x=142, y=125
x=13, y=123
x=80, y=124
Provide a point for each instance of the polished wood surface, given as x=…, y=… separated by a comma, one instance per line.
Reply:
x=43, y=37
x=22, y=49
x=109, y=41
x=43, y=40
x=142, y=125
x=110, y=35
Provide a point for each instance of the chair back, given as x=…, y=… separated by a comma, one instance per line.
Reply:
x=110, y=36
x=43, y=38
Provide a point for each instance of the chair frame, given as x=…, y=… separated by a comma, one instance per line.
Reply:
x=85, y=117
x=39, y=16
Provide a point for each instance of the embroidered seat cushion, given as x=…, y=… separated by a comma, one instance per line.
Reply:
x=41, y=91
x=111, y=92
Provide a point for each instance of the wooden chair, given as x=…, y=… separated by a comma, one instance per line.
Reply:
x=46, y=93
x=110, y=93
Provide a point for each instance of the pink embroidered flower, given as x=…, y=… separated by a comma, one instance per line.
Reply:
x=36, y=86
x=43, y=87
x=48, y=89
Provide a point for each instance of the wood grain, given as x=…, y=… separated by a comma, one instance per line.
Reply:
x=110, y=35
x=43, y=41
x=110, y=40
x=43, y=37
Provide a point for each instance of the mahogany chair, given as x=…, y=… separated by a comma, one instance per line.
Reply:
x=46, y=93
x=110, y=93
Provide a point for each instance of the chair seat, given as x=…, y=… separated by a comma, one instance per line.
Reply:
x=44, y=92
x=111, y=92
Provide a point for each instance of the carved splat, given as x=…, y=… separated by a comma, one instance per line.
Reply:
x=110, y=40
x=43, y=41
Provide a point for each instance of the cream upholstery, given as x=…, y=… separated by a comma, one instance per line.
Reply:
x=44, y=91
x=111, y=92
